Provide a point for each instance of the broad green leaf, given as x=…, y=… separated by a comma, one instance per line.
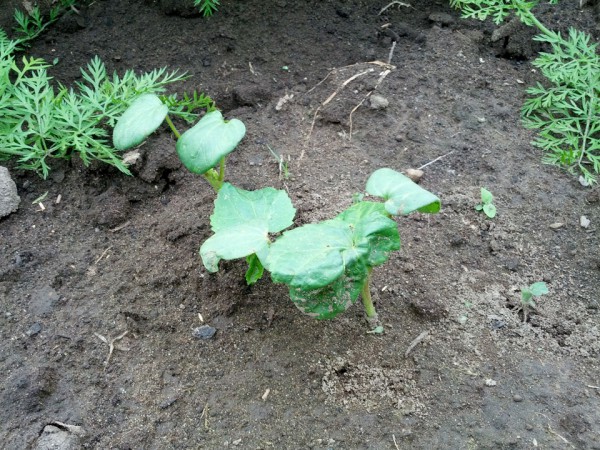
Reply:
x=235, y=242
x=212, y=138
x=242, y=221
x=311, y=256
x=401, y=194
x=255, y=269
x=373, y=230
x=235, y=206
x=315, y=255
x=526, y=295
x=538, y=288
x=333, y=299
x=490, y=210
x=138, y=121
x=486, y=196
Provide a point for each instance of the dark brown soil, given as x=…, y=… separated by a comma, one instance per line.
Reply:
x=119, y=254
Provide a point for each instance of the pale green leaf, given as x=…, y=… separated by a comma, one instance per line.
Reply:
x=335, y=298
x=212, y=138
x=235, y=242
x=138, y=121
x=311, y=256
x=490, y=210
x=234, y=206
x=401, y=194
x=242, y=221
x=315, y=255
x=538, y=288
x=486, y=196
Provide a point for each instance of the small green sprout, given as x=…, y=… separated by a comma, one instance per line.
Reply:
x=528, y=294
x=486, y=204
x=284, y=171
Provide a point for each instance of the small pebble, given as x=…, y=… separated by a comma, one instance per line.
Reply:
x=378, y=102
x=517, y=398
x=204, y=332
x=584, y=222
x=529, y=427
x=34, y=329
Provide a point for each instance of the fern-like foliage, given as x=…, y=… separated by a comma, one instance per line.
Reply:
x=207, y=7
x=39, y=122
x=567, y=112
x=566, y=109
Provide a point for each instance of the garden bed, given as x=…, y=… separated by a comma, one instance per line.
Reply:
x=101, y=290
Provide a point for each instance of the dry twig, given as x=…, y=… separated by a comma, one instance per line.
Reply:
x=415, y=342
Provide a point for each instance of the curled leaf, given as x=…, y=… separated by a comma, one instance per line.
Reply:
x=212, y=138
x=401, y=194
x=139, y=121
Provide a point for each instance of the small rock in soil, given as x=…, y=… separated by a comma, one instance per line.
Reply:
x=55, y=438
x=517, y=398
x=441, y=18
x=204, y=332
x=584, y=222
x=9, y=199
x=378, y=102
x=34, y=329
x=414, y=174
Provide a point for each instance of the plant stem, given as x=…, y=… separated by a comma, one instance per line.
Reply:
x=222, y=170
x=366, y=297
x=172, y=126
x=213, y=179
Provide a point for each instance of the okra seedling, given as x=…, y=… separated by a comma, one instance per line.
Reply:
x=325, y=265
x=200, y=148
x=486, y=204
x=528, y=294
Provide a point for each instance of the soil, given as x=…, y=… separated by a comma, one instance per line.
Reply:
x=114, y=266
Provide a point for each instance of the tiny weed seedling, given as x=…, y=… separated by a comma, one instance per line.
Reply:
x=326, y=265
x=486, y=204
x=284, y=172
x=566, y=109
x=200, y=148
x=527, y=297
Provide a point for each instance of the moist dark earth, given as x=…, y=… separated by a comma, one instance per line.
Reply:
x=114, y=263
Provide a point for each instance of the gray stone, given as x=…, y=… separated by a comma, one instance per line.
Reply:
x=34, y=329
x=59, y=436
x=204, y=332
x=9, y=199
x=378, y=102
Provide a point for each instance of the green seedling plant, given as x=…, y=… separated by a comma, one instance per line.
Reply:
x=200, y=148
x=528, y=295
x=30, y=24
x=326, y=265
x=487, y=205
x=566, y=109
x=41, y=120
